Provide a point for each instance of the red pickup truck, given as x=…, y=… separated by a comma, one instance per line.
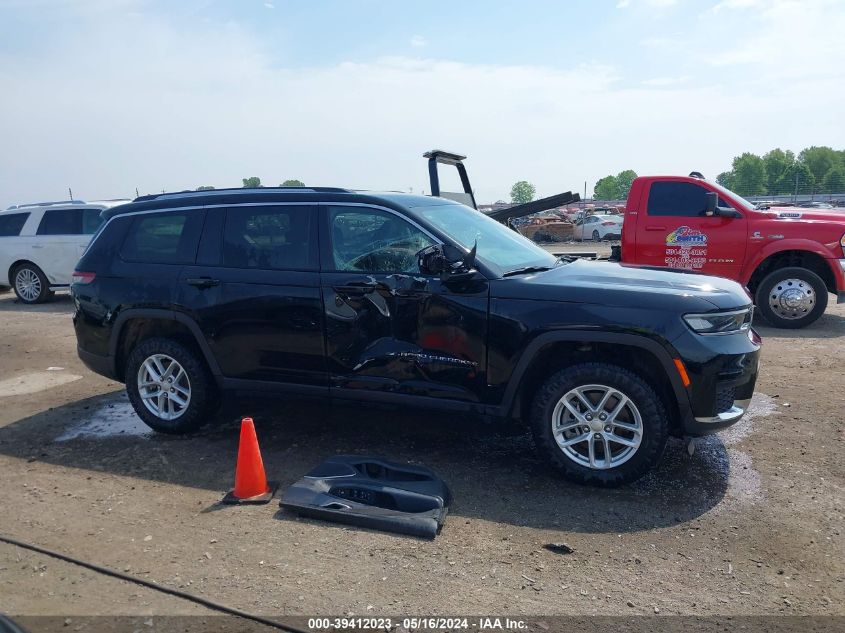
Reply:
x=789, y=258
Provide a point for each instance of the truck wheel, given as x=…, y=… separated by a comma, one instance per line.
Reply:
x=596, y=236
x=791, y=297
x=31, y=285
x=169, y=387
x=599, y=424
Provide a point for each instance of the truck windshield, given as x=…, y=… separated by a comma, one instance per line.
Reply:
x=497, y=244
x=737, y=197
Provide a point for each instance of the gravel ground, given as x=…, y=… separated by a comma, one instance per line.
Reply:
x=750, y=524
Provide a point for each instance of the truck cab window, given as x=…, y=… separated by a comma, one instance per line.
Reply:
x=678, y=199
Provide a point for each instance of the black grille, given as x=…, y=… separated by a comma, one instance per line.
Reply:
x=725, y=397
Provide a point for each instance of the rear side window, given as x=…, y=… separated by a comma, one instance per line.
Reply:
x=682, y=199
x=61, y=222
x=273, y=238
x=163, y=238
x=12, y=223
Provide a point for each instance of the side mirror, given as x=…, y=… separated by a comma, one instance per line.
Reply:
x=712, y=199
x=431, y=260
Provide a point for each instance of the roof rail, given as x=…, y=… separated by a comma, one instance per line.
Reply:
x=46, y=204
x=175, y=195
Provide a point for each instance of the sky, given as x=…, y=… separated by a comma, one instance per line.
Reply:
x=112, y=96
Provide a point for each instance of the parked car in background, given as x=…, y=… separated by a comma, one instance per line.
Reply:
x=40, y=244
x=598, y=227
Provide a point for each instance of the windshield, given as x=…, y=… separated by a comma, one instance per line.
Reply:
x=733, y=195
x=497, y=244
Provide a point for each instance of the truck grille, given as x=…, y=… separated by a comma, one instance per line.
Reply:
x=725, y=397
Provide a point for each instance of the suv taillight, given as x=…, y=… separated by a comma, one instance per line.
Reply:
x=82, y=278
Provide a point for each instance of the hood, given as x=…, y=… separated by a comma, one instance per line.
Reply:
x=624, y=285
x=836, y=216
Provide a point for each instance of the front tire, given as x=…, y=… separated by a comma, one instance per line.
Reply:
x=791, y=297
x=596, y=236
x=31, y=284
x=599, y=424
x=169, y=386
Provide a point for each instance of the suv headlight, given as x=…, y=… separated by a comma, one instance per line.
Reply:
x=842, y=242
x=720, y=322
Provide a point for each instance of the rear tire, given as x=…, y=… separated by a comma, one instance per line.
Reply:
x=31, y=284
x=170, y=386
x=578, y=445
x=791, y=297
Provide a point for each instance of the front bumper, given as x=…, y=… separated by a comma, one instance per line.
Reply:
x=723, y=372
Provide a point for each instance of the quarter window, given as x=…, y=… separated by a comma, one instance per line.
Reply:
x=12, y=223
x=681, y=199
x=91, y=221
x=163, y=238
x=276, y=238
x=372, y=240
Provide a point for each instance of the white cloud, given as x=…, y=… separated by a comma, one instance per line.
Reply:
x=418, y=41
x=659, y=82
x=623, y=4
x=789, y=40
x=164, y=107
x=269, y=5
x=736, y=4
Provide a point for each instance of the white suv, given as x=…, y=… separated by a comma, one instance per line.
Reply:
x=41, y=243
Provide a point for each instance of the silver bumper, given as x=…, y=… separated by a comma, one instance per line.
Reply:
x=731, y=415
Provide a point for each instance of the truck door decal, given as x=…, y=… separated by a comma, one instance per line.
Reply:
x=686, y=248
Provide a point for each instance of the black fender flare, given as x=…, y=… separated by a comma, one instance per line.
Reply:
x=659, y=351
x=164, y=315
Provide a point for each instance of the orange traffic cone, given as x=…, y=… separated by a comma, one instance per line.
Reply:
x=251, y=485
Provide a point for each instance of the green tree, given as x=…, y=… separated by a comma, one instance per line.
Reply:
x=834, y=180
x=522, y=192
x=749, y=175
x=253, y=182
x=778, y=163
x=820, y=160
x=624, y=180
x=798, y=179
x=292, y=183
x=205, y=188
x=726, y=179
x=607, y=188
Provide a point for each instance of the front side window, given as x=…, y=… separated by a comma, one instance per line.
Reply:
x=163, y=238
x=11, y=224
x=272, y=238
x=372, y=240
x=61, y=222
x=679, y=199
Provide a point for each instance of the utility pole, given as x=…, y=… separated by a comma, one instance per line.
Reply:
x=70, y=193
x=795, y=196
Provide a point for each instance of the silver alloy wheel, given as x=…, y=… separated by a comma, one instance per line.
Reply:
x=597, y=426
x=164, y=387
x=792, y=299
x=28, y=284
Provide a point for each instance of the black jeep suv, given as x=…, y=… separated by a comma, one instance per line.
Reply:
x=413, y=300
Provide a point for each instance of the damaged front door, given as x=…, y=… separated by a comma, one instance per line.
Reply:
x=391, y=330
